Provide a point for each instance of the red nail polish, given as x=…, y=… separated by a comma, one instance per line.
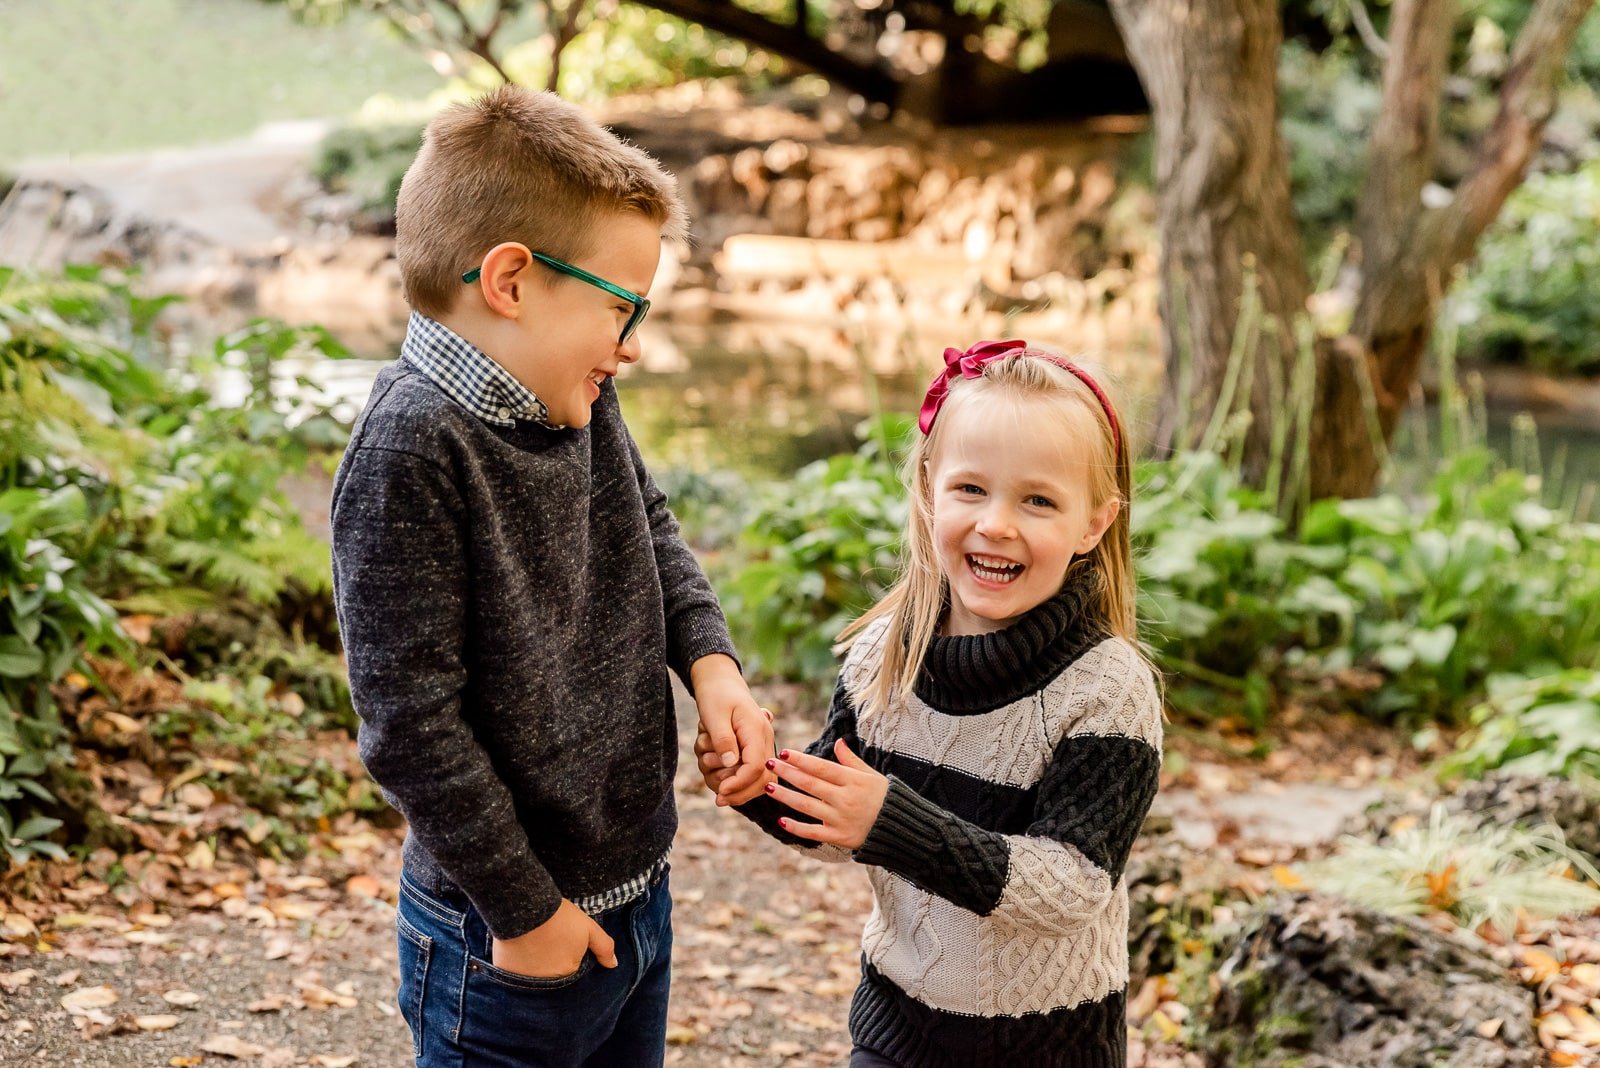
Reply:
x=784, y=755
x=772, y=787
x=771, y=764
x=783, y=823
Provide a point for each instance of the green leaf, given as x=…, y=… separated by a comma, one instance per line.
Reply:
x=19, y=658
x=36, y=827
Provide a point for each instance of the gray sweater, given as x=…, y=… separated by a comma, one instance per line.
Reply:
x=510, y=600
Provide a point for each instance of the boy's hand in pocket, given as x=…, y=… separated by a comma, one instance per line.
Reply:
x=556, y=947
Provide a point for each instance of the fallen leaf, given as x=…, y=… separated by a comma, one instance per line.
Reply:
x=232, y=1046
x=328, y=1060
x=182, y=998
x=200, y=858
x=11, y=982
x=1490, y=1028
x=160, y=1022
x=363, y=886
x=1539, y=966
x=1287, y=877
x=321, y=997
x=185, y=1062
x=270, y=1003
x=90, y=997
x=679, y=1035
x=16, y=925
x=67, y=978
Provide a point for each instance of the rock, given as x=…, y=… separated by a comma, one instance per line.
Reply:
x=1319, y=982
x=1499, y=798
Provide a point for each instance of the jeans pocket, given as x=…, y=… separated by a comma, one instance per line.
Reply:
x=416, y=953
x=533, y=983
x=440, y=911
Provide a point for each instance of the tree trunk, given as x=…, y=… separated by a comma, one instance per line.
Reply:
x=1230, y=242
x=1234, y=282
x=1409, y=253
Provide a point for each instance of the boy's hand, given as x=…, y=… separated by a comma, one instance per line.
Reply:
x=556, y=947
x=740, y=731
x=845, y=797
x=716, y=777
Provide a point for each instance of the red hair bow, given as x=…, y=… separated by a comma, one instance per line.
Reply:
x=970, y=364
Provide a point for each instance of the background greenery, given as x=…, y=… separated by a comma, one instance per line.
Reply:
x=97, y=76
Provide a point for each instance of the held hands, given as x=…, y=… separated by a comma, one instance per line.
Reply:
x=734, y=730
x=845, y=798
x=556, y=947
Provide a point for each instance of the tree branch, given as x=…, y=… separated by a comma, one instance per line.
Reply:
x=793, y=43
x=1527, y=100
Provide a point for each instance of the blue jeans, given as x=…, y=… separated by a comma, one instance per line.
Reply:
x=466, y=1013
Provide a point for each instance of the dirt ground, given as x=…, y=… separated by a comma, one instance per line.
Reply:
x=296, y=965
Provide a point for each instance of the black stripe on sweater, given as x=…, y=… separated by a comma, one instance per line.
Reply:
x=940, y=828
x=886, y=1020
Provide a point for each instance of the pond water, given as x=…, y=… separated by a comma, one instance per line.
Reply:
x=765, y=399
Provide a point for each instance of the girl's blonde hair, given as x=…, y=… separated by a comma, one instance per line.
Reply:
x=916, y=602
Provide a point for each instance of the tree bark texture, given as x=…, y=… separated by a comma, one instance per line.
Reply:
x=1210, y=69
x=1230, y=239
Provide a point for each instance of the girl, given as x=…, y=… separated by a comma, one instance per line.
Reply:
x=995, y=737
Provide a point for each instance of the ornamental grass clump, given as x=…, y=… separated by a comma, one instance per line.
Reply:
x=1482, y=876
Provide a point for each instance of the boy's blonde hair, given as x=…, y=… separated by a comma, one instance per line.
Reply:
x=917, y=601
x=517, y=165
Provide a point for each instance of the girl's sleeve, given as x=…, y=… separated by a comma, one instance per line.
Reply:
x=763, y=811
x=1059, y=875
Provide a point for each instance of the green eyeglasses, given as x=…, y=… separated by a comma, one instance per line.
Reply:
x=641, y=305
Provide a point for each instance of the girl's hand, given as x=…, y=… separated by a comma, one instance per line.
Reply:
x=845, y=797
x=717, y=777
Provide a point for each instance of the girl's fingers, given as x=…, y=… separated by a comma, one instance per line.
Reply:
x=804, y=804
x=710, y=762
x=841, y=749
x=817, y=767
x=802, y=780
x=811, y=832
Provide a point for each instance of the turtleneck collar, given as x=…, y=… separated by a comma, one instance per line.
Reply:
x=972, y=674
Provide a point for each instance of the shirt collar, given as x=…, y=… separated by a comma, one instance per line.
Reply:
x=468, y=375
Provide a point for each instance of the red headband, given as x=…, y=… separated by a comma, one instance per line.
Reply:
x=970, y=364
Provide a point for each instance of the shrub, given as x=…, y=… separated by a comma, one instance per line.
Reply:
x=1529, y=295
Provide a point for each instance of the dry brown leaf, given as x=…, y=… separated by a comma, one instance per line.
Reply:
x=1538, y=966
x=270, y=1003
x=1585, y=1028
x=185, y=1062
x=679, y=1035
x=232, y=1046
x=16, y=925
x=321, y=997
x=67, y=978
x=90, y=997
x=200, y=858
x=158, y=1022
x=363, y=886
x=182, y=998
x=11, y=982
x=329, y=1060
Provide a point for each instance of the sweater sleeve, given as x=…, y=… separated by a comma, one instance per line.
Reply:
x=1059, y=875
x=695, y=624
x=764, y=812
x=400, y=584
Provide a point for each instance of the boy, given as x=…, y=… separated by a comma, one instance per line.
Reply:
x=512, y=590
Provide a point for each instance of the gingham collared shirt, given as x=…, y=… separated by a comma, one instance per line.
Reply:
x=468, y=376
x=473, y=380
x=618, y=896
